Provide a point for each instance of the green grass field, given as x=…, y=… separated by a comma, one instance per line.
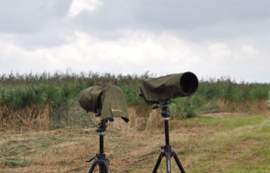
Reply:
x=217, y=142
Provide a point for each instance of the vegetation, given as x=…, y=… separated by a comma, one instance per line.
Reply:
x=48, y=100
x=226, y=134
x=217, y=142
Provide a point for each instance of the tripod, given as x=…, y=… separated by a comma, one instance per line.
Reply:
x=167, y=149
x=100, y=158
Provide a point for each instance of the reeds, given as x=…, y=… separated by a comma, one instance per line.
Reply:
x=227, y=95
x=31, y=96
x=35, y=117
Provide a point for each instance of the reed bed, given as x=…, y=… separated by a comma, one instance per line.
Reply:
x=28, y=99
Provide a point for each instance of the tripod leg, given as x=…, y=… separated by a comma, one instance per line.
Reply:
x=104, y=168
x=107, y=168
x=178, y=163
x=92, y=167
x=168, y=162
x=158, y=162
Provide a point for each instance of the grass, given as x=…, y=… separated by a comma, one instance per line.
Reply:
x=217, y=142
x=59, y=91
x=43, y=128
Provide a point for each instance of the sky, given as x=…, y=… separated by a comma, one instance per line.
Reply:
x=211, y=38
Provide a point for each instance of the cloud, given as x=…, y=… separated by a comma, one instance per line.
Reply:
x=220, y=50
x=189, y=19
x=30, y=16
x=209, y=38
x=77, y=6
x=138, y=51
x=38, y=23
x=249, y=49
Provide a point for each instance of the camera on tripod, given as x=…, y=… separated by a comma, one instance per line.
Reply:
x=158, y=92
x=107, y=103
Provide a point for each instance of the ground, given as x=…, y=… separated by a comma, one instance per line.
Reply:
x=219, y=142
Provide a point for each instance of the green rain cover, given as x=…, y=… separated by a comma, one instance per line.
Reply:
x=109, y=101
x=89, y=99
x=168, y=87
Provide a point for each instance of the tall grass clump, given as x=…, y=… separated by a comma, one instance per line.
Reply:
x=186, y=107
x=226, y=95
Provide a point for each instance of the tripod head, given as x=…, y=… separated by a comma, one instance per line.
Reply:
x=164, y=106
x=102, y=125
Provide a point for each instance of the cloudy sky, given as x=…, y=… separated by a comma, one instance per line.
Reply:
x=212, y=38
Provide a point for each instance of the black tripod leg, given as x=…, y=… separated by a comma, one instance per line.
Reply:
x=168, y=162
x=92, y=167
x=178, y=163
x=107, y=168
x=158, y=163
x=103, y=167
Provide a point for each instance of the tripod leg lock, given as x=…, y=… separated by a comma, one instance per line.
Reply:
x=91, y=159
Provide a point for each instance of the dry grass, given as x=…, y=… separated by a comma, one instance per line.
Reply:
x=228, y=106
x=150, y=122
x=209, y=143
x=35, y=117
